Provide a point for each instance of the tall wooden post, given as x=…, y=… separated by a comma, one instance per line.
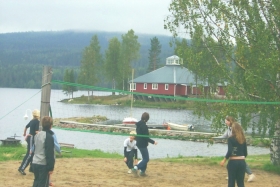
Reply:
x=45, y=93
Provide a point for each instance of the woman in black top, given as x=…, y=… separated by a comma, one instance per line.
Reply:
x=33, y=126
x=237, y=152
x=142, y=141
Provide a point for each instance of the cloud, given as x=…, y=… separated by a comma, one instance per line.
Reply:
x=143, y=16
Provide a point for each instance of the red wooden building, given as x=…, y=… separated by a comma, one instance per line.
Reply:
x=172, y=79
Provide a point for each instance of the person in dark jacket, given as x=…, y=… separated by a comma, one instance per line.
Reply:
x=237, y=152
x=142, y=141
x=43, y=159
x=33, y=126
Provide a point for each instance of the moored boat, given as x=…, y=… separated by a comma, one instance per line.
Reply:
x=129, y=121
x=174, y=126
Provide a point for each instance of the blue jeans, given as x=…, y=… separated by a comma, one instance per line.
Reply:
x=145, y=159
x=248, y=170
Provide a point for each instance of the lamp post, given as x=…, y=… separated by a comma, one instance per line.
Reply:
x=26, y=116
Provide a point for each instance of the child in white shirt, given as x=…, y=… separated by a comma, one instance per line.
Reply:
x=130, y=151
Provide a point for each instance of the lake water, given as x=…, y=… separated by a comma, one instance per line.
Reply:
x=16, y=102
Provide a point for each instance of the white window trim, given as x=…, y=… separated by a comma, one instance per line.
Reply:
x=166, y=86
x=154, y=86
x=132, y=86
x=145, y=86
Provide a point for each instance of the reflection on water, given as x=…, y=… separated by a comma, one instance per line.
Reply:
x=15, y=102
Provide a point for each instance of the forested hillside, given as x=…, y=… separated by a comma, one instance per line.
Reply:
x=22, y=55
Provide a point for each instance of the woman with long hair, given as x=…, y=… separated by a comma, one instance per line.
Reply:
x=229, y=121
x=236, y=154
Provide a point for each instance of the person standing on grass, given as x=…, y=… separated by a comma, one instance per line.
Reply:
x=142, y=141
x=43, y=160
x=237, y=152
x=229, y=121
x=33, y=126
x=130, y=151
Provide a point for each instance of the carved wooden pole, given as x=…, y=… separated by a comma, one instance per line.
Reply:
x=46, y=93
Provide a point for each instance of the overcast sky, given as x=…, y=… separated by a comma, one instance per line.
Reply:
x=143, y=16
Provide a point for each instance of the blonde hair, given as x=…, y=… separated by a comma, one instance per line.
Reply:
x=132, y=133
x=238, y=133
x=36, y=114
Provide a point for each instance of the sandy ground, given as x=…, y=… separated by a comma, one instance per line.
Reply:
x=88, y=172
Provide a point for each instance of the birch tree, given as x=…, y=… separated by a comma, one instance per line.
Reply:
x=242, y=39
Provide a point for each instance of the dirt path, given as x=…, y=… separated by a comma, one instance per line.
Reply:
x=88, y=172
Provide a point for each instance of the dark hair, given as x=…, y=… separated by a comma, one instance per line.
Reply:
x=145, y=116
x=47, y=122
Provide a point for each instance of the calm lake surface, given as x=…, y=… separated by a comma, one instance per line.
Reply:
x=16, y=102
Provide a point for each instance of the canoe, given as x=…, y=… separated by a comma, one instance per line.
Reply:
x=174, y=126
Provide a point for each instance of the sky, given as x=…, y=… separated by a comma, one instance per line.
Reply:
x=143, y=16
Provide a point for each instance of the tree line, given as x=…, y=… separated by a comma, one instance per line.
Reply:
x=22, y=55
x=116, y=65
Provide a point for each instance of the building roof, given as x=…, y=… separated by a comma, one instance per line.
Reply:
x=169, y=74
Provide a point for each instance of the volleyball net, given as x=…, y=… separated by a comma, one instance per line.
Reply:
x=114, y=105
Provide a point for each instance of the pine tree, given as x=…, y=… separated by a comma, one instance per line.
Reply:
x=154, y=53
x=90, y=63
x=112, y=61
x=129, y=53
x=66, y=78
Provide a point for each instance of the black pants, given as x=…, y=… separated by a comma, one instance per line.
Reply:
x=129, y=157
x=41, y=175
x=236, y=172
x=28, y=157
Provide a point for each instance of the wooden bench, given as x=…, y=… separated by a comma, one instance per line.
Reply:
x=67, y=145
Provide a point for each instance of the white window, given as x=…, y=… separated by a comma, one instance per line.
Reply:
x=132, y=86
x=166, y=86
x=145, y=86
x=154, y=86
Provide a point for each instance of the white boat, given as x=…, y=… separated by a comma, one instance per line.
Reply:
x=130, y=120
x=174, y=126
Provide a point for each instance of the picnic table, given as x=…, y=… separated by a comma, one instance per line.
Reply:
x=10, y=141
